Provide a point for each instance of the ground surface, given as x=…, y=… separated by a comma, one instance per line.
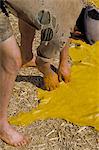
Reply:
x=52, y=134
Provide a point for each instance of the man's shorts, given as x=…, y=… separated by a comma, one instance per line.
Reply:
x=55, y=18
x=5, y=27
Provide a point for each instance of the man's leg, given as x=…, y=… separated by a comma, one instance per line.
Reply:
x=10, y=63
x=27, y=37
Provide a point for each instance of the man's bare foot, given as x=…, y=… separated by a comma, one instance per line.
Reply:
x=30, y=63
x=11, y=136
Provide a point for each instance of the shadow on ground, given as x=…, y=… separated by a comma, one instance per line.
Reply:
x=35, y=80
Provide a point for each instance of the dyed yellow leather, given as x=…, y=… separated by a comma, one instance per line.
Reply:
x=95, y=2
x=77, y=101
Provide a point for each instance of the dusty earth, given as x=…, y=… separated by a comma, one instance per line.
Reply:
x=52, y=134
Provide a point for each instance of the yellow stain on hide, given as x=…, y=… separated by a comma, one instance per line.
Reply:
x=77, y=101
x=95, y=2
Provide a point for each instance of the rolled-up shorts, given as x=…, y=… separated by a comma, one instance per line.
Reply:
x=5, y=27
x=55, y=19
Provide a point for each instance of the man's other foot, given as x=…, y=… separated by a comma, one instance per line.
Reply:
x=30, y=63
x=11, y=136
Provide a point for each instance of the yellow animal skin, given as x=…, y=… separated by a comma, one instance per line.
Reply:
x=95, y=2
x=77, y=101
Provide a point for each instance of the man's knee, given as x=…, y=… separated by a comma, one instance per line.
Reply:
x=10, y=62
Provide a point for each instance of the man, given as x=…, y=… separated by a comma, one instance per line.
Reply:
x=87, y=25
x=55, y=19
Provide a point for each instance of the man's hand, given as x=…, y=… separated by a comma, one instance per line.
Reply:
x=50, y=77
x=64, y=73
x=51, y=81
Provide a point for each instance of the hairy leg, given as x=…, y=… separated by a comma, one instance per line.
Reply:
x=27, y=37
x=10, y=63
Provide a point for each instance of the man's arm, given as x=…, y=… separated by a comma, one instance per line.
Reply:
x=64, y=66
x=50, y=77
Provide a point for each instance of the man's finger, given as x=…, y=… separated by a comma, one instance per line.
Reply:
x=60, y=77
x=67, y=79
x=51, y=88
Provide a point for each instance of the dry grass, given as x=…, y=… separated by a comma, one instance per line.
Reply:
x=52, y=134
